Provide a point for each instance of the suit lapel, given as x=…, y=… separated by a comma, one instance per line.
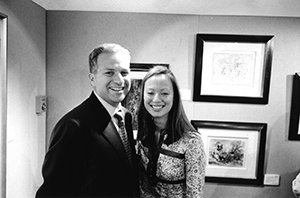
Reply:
x=109, y=130
x=112, y=135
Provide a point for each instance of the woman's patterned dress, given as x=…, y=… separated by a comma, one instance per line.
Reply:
x=180, y=169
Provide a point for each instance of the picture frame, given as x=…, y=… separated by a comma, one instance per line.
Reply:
x=235, y=151
x=131, y=101
x=294, y=128
x=233, y=68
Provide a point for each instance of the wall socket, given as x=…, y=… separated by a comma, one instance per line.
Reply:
x=272, y=180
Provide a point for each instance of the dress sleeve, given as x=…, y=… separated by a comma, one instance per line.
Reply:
x=195, y=162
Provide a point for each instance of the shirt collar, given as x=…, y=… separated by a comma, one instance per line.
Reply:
x=111, y=109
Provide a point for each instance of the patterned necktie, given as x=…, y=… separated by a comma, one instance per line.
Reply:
x=123, y=134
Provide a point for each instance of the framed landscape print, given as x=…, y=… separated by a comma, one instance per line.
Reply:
x=233, y=68
x=235, y=151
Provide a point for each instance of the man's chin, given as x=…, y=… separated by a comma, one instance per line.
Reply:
x=120, y=98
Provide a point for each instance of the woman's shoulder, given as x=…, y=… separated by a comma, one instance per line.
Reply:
x=189, y=142
x=188, y=137
x=191, y=136
x=193, y=144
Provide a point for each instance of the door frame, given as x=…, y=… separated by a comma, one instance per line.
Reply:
x=3, y=102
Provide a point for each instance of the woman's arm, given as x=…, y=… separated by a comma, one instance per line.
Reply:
x=296, y=186
x=195, y=162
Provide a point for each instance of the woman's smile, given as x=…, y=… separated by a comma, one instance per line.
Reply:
x=157, y=107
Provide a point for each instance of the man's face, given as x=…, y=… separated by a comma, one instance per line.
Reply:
x=112, y=81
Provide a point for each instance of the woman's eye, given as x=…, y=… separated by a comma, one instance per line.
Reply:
x=150, y=93
x=165, y=94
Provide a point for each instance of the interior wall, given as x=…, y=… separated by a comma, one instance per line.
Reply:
x=158, y=38
x=26, y=78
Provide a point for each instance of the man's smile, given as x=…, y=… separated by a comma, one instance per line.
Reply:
x=117, y=88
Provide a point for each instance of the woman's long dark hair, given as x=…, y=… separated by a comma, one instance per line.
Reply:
x=177, y=123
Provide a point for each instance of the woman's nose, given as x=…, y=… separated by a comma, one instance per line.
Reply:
x=156, y=97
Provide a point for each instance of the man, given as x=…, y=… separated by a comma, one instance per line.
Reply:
x=87, y=157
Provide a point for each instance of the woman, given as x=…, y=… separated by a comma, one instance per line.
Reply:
x=296, y=186
x=171, y=151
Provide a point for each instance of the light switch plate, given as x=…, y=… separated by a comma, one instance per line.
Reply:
x=40, y=104
x=272, y=180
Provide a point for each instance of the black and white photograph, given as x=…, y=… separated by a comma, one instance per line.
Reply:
x=219, y=119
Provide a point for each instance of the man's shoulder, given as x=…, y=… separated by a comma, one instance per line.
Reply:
x=82, y=111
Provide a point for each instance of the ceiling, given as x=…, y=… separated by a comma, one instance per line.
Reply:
x=272, y=8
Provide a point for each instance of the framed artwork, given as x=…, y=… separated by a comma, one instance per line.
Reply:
x=294, y=128
x=131, y=101
x=233, y=68
x=235, y=151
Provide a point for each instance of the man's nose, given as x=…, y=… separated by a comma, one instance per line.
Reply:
x=119, y=78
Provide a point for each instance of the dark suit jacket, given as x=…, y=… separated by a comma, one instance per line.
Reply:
x=86, y=157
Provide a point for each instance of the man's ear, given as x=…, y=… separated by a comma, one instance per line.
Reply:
x=92, y=79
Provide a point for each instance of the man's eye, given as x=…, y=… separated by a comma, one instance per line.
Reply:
x=124, y=73
x=150, y=93
x=109, y=73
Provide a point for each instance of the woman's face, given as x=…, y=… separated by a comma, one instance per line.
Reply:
x=158, y=96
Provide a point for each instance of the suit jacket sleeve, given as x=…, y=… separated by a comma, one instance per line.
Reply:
x=63, y=159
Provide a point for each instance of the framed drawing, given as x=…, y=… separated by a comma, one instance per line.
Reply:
x=235, y=151
x=233, y=68
x=294, y=128
x=131, y=101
